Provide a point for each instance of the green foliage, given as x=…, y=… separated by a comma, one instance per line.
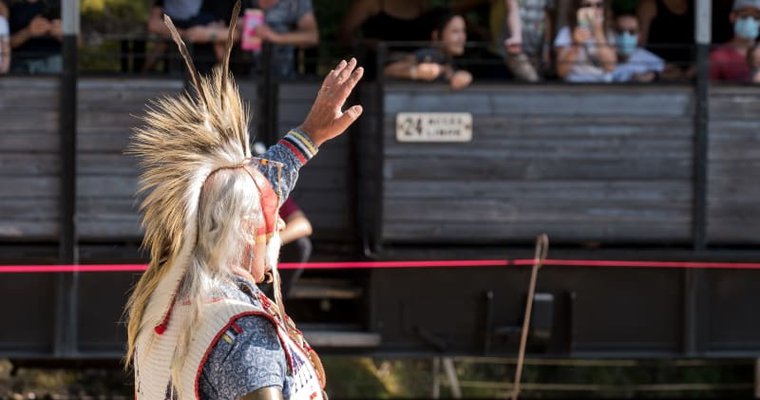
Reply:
x=351, y=377
x=114, y=16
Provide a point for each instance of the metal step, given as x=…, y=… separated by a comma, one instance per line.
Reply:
x=342, y=339
x=320, y=288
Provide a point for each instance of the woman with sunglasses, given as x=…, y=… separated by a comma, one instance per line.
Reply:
x=584, y=53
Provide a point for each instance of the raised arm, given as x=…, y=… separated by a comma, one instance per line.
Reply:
x=326, y=120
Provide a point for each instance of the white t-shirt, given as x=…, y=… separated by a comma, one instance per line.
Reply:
x=586, y=67
x=4, y=30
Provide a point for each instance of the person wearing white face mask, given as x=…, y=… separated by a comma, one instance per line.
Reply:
x=729, y=62
x=635, y=64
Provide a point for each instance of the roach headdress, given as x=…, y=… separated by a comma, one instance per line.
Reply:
x=184, y=139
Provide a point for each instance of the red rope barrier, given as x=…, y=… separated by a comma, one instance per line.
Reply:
x=27, y=269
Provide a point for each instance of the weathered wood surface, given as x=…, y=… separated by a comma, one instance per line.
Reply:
x=107, y=178
x=29, y=160
x=733, y=192
x=579, y=163
x=108, y=111
x=606, y=164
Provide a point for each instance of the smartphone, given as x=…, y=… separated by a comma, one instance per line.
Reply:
x=251, y=21
x=584, y=17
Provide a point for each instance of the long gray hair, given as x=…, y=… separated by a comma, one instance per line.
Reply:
x=229, y=207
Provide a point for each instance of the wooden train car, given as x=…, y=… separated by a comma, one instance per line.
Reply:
x=606, y=171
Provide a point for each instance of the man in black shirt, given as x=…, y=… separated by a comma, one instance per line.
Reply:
x=36, y=35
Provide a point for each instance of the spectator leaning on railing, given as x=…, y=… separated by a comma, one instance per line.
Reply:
x=197, y=23
x=584, y=52
x=373, y=21
x=635, y=64
x=36, y=35
x=5, y=43
x=729, y=62
x=436, y=63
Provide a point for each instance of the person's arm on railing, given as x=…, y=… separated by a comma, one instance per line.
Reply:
x=408, y=68
x=306, y=33
x=514, y=42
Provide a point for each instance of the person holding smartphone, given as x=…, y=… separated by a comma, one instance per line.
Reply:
x=584, y=52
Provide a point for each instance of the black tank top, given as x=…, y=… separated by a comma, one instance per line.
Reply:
x=386, y=27
x=671, y=36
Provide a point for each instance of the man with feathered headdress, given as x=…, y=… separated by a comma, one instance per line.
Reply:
x=198, y=325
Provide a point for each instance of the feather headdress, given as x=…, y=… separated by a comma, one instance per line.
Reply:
x=184, y=139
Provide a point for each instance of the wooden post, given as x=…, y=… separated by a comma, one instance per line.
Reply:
x=436, y=378
x=757, y=378
x=451, y=376
x=542, y=247
x=67, y=285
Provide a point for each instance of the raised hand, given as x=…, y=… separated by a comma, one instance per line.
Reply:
x=327, y=119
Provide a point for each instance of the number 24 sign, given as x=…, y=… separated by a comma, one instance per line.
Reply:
x=434, y=127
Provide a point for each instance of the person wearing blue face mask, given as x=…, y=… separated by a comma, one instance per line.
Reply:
x=635, y=64
x=728, y=63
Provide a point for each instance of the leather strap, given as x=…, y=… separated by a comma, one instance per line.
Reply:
x=267, y=393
